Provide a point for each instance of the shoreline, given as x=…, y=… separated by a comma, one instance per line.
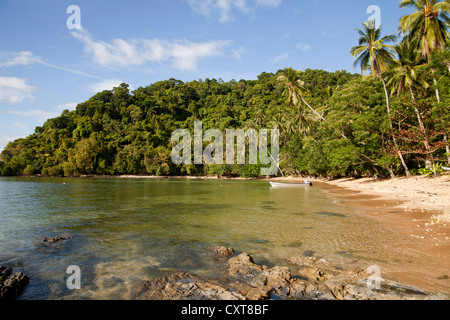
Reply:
x=420, y=222
x=412, y=193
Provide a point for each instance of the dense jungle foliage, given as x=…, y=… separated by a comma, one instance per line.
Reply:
x=393, y=121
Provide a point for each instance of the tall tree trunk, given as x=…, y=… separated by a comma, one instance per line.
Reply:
x=438, y=97
x=391, y=172
x=429, y=160
x=408, y=173
x=447, y=148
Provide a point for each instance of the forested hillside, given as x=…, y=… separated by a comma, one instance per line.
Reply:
x=393, y=121
x=122, y=132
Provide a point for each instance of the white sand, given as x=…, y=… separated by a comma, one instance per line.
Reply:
x=428, y=193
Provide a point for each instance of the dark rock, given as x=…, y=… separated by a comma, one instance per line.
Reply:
x=183, y=286
x=11, y=286
x=222, y=250
x=49, y=245
x=54, y=239
x=4, y=273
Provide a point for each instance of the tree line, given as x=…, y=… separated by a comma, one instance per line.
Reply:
x=393, y=121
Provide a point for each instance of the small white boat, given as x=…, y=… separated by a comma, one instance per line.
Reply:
x=280, y=184
x=445, y=168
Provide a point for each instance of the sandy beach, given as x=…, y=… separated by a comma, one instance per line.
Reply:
x=417, y=210
x=415, y=193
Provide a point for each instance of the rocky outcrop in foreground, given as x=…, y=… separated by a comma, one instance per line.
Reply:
x=242, y=279
x=11, y=285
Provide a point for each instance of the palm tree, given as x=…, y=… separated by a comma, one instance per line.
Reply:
x=428, y=29
x=294, y=85
x=405, y=74
x=300, y=121
x=373, y=53
x=428, y=25
x=278, y=121
x=259, y=116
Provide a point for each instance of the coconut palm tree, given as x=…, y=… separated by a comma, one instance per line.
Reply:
x=405, y=75
x=373, y=53
x=404, y=72
x=300, y=121
x=428, y=29
x=294, y=85
x=428, y=25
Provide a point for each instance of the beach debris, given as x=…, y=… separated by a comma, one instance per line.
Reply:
x=11, y=285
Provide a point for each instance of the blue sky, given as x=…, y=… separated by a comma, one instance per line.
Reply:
x=46, y=67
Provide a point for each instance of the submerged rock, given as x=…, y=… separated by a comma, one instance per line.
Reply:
x=54, y=239
x=11, y=286
x=49, y=245
x=222, y=250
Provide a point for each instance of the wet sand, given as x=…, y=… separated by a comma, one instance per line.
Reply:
x=416, y=210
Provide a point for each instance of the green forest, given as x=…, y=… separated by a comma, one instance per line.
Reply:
x=392, y=119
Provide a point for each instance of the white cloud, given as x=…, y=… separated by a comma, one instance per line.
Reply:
x=225, y=8
x=11, y=59
x=4, y=140
x=269, y=3
x=67, y=106
x=281, y=57
x=184, y=54
x=303, y=46
x=239, y=52
x=330, y=35
x=20, y=125
x=25, y=58
x=107, y=84
x=77, y=72
x=13, y=90
x=40, y=114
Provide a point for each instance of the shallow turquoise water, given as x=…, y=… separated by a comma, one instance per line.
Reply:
x=127, y=230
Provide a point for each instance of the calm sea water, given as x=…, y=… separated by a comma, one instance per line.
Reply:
x=127, y=230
